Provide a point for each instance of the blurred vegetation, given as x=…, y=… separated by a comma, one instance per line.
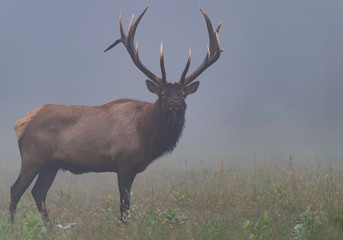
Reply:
x=221, y=199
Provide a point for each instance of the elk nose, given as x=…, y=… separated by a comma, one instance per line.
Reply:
x=175, y=102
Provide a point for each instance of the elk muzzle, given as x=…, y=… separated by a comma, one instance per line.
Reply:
x=174, y=104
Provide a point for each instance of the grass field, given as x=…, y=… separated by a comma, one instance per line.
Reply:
x=218, y=200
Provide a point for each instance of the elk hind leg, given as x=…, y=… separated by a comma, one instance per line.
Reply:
x=39, y=191
x=24, y=180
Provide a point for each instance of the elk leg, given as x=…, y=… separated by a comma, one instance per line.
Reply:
x=125, y=180
x=39, y=191
x=19, y=187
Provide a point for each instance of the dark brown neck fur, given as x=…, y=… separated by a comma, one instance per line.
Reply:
x=160, y=130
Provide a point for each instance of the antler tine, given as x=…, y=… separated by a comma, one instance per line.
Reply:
x=122, y=34
x=128, y=42
x=136, y=53
x=213, y=50
x=183, y=76
x=132, y=27
x=219, y=25
x=163, y=70
x=129, y=28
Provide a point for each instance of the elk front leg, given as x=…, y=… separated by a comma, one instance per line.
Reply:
x=125, y=180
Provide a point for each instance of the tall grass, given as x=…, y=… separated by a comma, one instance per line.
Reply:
x=218, y=200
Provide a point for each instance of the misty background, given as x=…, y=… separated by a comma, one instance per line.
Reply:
x=277, y=88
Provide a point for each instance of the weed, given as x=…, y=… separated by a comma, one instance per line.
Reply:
x=5, y=227
x=33, y=228
x=259, y=230
x=172, y=216
x=308, y=226
x=211, y=230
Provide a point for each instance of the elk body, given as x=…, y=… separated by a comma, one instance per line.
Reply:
x=122, y=136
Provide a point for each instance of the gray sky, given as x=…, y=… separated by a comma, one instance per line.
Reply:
x=278, y=86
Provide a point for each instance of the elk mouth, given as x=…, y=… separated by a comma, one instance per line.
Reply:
x=173, y=108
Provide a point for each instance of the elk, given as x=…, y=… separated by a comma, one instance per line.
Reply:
x=122, y=136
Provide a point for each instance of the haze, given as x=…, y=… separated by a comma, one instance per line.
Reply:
x=276, y=89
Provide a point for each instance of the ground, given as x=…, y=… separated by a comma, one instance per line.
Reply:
x=210, y=199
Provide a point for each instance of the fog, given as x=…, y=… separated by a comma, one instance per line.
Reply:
x=277, y=88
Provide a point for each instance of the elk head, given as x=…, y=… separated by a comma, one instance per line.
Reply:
x=171, y=95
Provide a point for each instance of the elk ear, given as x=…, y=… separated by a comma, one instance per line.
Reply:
x=153, y=87
x=191, y=88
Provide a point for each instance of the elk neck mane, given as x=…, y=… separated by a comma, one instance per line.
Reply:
x=159, y=132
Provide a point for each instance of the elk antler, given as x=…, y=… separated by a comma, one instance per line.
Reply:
x=133, y=51
x=213, y=53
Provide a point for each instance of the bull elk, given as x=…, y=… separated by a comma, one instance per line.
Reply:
x=122, y=136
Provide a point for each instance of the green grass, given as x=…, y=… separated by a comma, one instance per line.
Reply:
x=228, y=200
